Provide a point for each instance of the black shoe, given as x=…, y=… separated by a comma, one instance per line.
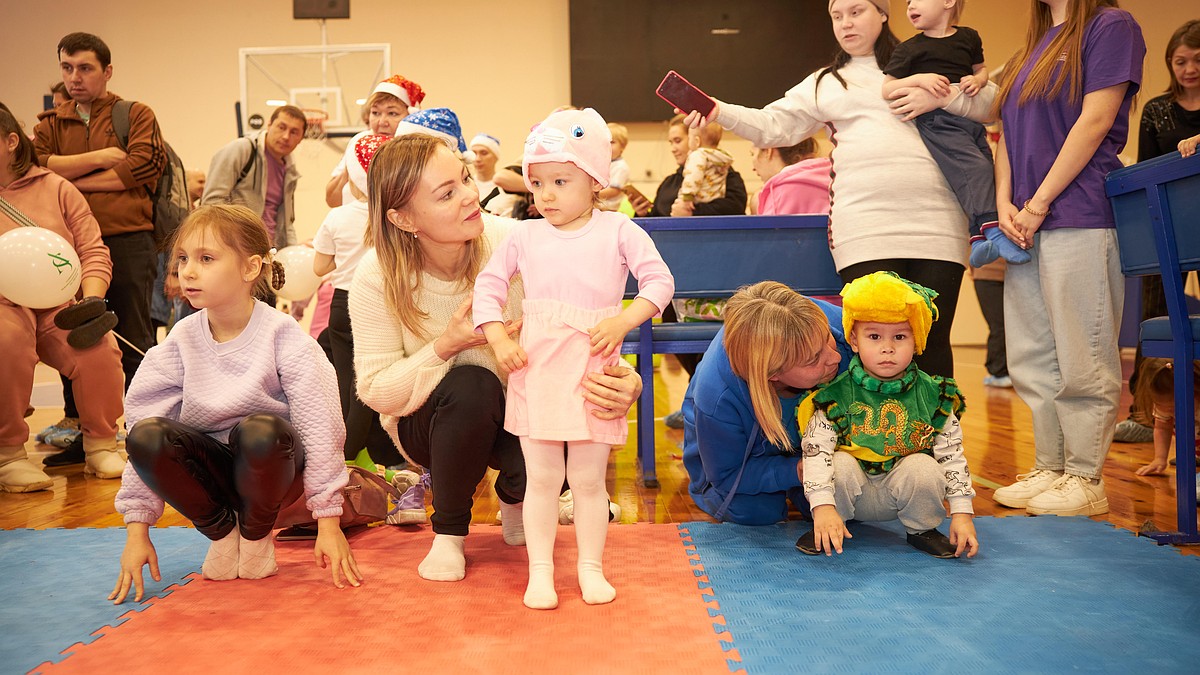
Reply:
x=89, y=333
x=932, y=542
x=807, y=543
x=80, y=312
x=72, y=454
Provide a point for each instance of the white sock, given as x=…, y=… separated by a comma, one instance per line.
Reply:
x=540, y=593
x=256, y=559
x=445, y=560
x=221, y=563
x=512, y=523
x=596, y=589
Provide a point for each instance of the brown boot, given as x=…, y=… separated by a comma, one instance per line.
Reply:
x=102, y=459
x=18, y=474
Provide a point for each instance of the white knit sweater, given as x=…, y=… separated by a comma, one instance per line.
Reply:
x=397, y=370
x=890, y=200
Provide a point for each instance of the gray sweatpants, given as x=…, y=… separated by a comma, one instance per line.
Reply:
x=912, y=492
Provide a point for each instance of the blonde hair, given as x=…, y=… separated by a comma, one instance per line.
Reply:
x=392, y=181
x=1047, y=79
x=956, y=11
x=1156, y=380
x=242, y=231
x=619, y=133
x=710, y=135
x=769, y=328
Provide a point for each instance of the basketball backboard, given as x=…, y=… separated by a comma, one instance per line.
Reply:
x=334, y=78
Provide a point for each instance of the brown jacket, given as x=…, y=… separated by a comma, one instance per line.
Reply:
x=61, y=131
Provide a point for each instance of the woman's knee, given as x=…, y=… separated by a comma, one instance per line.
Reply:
x=474, y=385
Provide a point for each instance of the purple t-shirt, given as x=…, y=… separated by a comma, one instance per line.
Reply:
x=275, y=172
x=1034, y=132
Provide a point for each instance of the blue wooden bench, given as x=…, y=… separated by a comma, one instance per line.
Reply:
x=711, y=257
x=1157, y=208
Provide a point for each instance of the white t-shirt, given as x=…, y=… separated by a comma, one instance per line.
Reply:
x=341, y=236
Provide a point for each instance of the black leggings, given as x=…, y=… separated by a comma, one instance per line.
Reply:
x=363, y=429
x=945, y=278
x=217, y=485
x=457, y=434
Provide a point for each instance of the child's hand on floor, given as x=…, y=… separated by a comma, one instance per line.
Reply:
x=1155, y=468
x=138, y=552
x=332, y=546
x=829, y=530
x=962, y=535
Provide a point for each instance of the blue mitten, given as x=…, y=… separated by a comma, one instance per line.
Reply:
x=994, y=245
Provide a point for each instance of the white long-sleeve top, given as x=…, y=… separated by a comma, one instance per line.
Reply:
x=397, y=370
x=272, y=367
x=889, y=198
x=820, y=442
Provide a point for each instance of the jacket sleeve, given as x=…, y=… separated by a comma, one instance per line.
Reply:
x=146, y=153
x=95, y=262
x=388, y=379
x=224, y=170
x=732, y=204
x=156, y=391
x=721, y=438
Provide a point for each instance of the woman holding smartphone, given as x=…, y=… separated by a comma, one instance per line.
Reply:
x=892, y=209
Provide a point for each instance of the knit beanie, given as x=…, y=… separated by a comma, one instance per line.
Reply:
x=402, y=88
x=884, y=297
x=881, y=4
x=490, y=142
x=439, y=122
x=580, y=137
x=358, y=157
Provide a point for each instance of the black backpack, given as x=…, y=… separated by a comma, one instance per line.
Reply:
x=170, y=196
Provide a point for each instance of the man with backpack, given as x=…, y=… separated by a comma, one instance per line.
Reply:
x=258, y=172
x=76, y=140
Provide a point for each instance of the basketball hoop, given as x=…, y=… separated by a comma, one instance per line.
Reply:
x=315, y=119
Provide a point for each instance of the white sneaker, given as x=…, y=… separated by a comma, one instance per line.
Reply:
x=1071, y=496
x=566, y=510
x=1028, y=486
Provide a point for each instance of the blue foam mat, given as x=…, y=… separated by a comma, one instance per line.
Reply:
x=1044, y=595
x=55, y=584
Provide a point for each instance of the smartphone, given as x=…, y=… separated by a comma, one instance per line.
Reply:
x=633, y=193
x=677, y=91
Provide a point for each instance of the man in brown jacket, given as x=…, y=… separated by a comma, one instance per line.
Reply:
x=76, y=140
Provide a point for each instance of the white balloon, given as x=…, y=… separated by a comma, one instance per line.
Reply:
x=38, y=268
x=299, y=279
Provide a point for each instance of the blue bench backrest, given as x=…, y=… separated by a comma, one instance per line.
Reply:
x=1128, y=191
x=712, y=256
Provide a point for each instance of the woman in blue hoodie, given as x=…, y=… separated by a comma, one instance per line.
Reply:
x=741, y=441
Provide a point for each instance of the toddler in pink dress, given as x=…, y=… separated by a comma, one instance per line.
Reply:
x=573, y=263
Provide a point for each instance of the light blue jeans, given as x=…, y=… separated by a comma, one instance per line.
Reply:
x=1062, y=314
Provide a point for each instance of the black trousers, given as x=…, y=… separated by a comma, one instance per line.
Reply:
x=457, y=435
x=134, y=267
x=363, y=429
x=218, y=486
x=991, y=303
x=945, y=278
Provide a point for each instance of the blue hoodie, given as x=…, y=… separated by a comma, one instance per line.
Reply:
x=718, y=423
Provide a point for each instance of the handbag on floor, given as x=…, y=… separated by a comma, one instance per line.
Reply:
x=368, y=499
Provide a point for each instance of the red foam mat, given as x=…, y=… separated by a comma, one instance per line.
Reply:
x=298, y=621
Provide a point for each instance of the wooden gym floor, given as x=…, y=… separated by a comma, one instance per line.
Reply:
x=999, y=444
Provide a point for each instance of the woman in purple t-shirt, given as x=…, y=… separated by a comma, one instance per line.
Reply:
x=1064, y=101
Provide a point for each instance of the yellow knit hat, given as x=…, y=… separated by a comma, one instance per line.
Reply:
x=884, y=297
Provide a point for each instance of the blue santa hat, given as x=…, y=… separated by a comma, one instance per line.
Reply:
x=439, y=122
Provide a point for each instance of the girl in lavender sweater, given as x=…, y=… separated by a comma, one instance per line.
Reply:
x=235, y=415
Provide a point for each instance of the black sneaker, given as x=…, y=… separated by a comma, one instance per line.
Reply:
x=807, y=543
x=72, y=454
x=81, y=312
x=932, y=542
x=89, y=332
